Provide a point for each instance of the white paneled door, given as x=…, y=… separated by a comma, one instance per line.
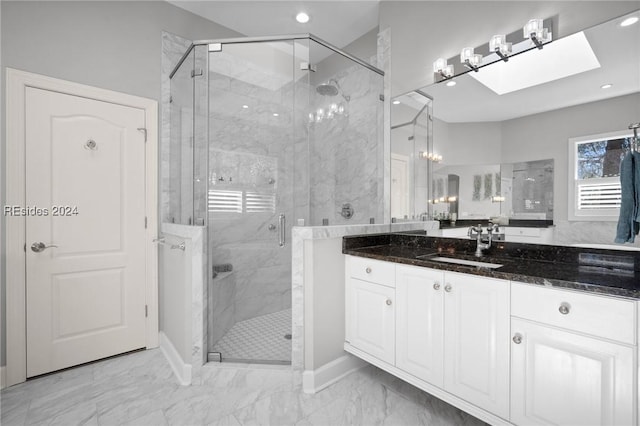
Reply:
x=85, y=255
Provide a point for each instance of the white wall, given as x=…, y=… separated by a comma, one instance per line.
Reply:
x=114, y=45
x=422, y=31
x=326, y=301
x=467, y=143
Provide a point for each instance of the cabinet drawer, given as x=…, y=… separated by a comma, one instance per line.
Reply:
x=600, y=316
x=371, y=270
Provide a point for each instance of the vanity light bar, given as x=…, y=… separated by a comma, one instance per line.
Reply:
x=441, y=67
x=470, y=59
x=536, y=31
x=498, y=44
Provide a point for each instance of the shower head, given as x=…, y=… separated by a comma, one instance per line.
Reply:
x=331, y=88
x=634, y=125
x=327, y=89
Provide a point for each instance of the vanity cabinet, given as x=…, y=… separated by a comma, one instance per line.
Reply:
x=476, y=343
x=506, y=352
x=370, y=317
x=420, y=323
x=447, y=329
x=453, y=332
x=572, y=358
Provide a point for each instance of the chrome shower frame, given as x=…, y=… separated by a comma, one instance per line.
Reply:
x=216, y=45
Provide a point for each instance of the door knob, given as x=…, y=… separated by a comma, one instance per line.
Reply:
x=448, y=288
x=517, y=338
x=40, y=246
x=436, y=286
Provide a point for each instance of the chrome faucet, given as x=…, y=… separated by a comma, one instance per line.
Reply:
x=479, y=244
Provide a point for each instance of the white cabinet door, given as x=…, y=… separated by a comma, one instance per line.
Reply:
x=419, y=322
x=563, y=378
x=371, y=318
x=476, y=356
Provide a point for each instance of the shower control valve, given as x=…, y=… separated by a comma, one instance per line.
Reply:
x=347, y=211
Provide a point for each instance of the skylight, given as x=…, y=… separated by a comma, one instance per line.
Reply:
x=563, y=58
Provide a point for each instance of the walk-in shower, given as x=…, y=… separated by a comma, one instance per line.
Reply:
x=266, y=134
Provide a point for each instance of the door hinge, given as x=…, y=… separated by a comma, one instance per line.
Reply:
x=146, y=311
x=144, y=132
x=145, y=222
x=196, y=73
x=306, y=66
x=25, y=248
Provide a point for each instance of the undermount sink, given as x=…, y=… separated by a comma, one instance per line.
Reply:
x=462, y=262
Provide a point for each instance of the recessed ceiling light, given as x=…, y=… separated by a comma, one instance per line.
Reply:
x=396, y=102
x=275, y=114
x=245, y=106
x=451, y=83
x=302, y=17
x=606, y=86
x=629, y=21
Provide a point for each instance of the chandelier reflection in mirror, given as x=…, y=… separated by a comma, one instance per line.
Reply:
x=331, y=104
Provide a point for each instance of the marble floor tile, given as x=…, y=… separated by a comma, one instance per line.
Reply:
x=139, y=389
x=155, y=418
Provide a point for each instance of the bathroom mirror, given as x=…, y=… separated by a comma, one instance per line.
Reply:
x=411, y=141
x=519, y=191
x=480, y=120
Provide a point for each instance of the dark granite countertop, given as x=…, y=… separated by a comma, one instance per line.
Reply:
x=609, y=272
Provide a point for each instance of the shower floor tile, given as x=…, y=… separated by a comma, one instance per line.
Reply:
x=258, y=339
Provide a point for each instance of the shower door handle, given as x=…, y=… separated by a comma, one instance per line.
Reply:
x=281, y=223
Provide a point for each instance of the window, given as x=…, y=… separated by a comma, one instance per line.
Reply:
x=227, y=201
x=594, y=176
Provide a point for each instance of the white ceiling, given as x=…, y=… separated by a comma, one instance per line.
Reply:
x=616, y=48
x=338, y=22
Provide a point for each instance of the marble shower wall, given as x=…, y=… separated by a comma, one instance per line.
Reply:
x=347, y=152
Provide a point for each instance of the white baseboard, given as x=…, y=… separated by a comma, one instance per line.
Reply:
x=180, y=368
x=315, y=380
x=3, y=377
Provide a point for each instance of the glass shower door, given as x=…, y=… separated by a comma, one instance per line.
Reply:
x=250, y=200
